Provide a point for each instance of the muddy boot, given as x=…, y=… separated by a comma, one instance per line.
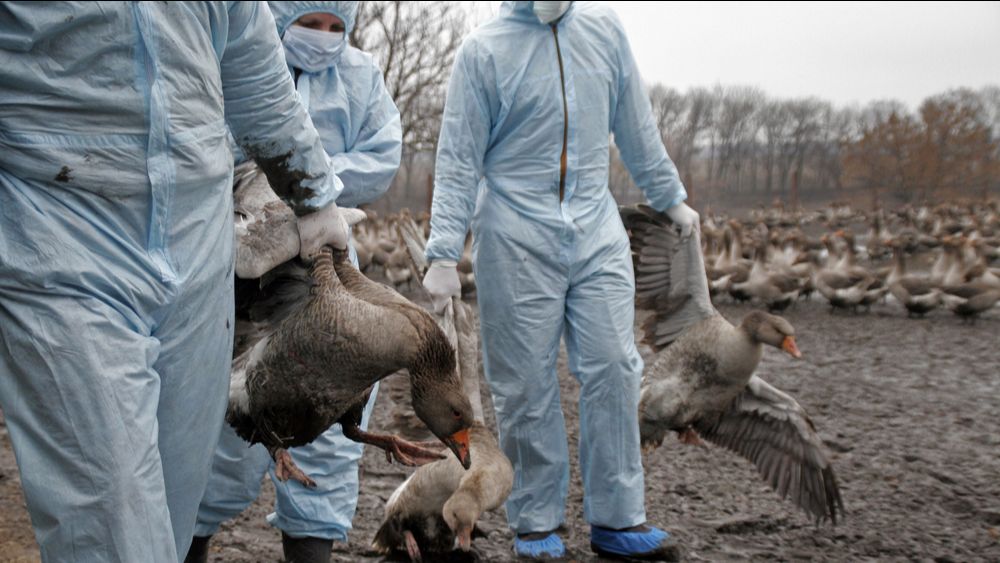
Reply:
x=306, y=550
x=198, y=552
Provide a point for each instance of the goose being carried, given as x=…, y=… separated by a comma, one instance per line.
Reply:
x=702, y=382
x=312, y=340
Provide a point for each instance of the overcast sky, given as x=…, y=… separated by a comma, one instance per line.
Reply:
x=844, y=52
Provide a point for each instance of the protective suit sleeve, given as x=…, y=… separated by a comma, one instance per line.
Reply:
x=465, y=132
x=265, y=115
x=368, y=167
x=637, y=136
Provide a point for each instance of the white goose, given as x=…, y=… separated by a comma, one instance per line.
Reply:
x=436, y=509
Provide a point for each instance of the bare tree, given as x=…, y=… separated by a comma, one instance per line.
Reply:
x=736, y=129
x=415, y=44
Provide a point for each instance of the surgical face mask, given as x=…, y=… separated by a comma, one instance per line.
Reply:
x=310, y=49
x=548, y=12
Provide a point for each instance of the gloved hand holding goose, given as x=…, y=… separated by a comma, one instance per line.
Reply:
x=312, y=340
x=702, y=380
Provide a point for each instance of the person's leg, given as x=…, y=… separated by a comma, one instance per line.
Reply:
x=197, y=342
x=600, y=341
x=520, y=289
x=237, y=470
x=80, y=398
x=603, y=356
x=327, y=510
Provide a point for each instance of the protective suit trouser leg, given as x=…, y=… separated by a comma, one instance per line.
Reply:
x=522, y=302
x=600, y=341
x=237, y=470
x=110, y=421
x=195, y=355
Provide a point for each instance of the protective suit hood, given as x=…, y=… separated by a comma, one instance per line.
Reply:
x=285, y=13
x=524, y=10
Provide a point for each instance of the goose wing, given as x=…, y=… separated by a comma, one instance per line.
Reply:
x=768, y=427
x=669, y=275
x=266, y=231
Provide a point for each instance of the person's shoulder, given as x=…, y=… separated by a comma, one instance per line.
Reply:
x=598, y=12
x=354, y=57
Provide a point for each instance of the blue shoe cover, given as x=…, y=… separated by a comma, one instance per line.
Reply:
x=550, y=547
x=628, y=544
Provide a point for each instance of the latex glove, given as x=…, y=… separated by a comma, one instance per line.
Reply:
x=685, y=218
x=441, y=281
x=326, y=227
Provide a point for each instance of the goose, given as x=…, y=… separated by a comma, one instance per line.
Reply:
x=843, y=285
x=776, y=289
x=310, y=343
x=397, y=269
x=436, y=508
x=969, y=300
x=917, y=294
x=702, y=383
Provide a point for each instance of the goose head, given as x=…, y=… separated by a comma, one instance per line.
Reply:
x=460, y=513
x=765, y=328
x=438, y=397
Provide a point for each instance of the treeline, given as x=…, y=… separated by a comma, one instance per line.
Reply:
x=739, y=144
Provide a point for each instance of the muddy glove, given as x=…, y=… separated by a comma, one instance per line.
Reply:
x=441, y=281
x=684, y=217
x=326, y=227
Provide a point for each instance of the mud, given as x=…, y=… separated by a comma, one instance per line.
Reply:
x=910, y=410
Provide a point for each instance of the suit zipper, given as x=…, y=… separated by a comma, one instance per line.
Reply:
x=562, y=78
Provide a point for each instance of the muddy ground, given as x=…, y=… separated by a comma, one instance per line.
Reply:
x=910, y=410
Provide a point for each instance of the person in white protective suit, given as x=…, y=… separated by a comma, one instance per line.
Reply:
x=116, y=253
x=359, y=124
x=523, y=154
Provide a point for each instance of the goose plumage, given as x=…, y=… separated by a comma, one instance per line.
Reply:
x=310, y=343
x=436, y=508
x=702, y=380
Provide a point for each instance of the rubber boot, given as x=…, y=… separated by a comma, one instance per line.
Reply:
x=306, y=550
x=198, y=552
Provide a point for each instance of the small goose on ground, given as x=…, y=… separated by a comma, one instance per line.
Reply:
x=435, y=510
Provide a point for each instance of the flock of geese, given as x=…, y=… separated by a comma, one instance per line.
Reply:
x=923, y=257
x=313, y=338
x=918, y=258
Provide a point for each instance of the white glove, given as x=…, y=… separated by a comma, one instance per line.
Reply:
x=685, y=218
x=326, y=227
x=441, y=281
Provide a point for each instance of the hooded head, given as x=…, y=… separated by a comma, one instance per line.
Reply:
x=318, y=41
x=285, y=13
x=545, y=13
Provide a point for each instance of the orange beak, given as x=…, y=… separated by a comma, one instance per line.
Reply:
x=464, y=539
x=788, y=345
x=459, y=443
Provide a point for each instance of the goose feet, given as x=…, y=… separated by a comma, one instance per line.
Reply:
x=690, y=437
x=411, y=546
x=285, y=468
x=403, y=451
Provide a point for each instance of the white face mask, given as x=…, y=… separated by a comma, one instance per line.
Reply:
x=310, y=49
x=548, y=12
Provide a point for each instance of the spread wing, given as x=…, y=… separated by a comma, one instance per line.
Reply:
x=768, y=427
x=669, y=275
